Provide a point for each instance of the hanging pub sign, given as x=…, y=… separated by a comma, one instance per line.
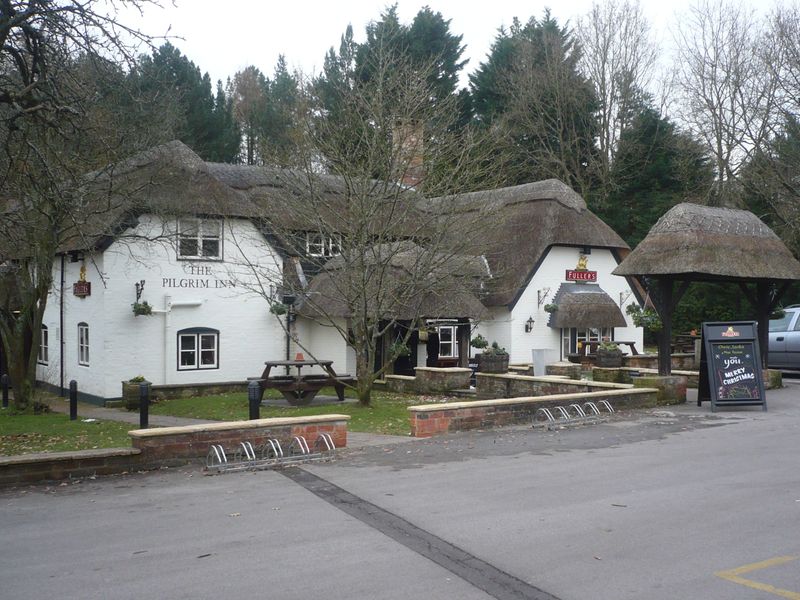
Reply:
x=82, y=288
x=581, y=271
x=730, y=366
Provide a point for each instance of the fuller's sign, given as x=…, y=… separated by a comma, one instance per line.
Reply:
x=579, y=275
x=81, y=289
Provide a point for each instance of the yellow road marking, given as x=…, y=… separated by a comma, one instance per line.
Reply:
x=733, y=575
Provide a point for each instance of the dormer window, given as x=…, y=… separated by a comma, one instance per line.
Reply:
x=200, y=239
x=322, y=245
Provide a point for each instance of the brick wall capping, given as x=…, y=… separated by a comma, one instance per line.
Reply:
x=401, y=377
x=237, y=425
x=444, y=369
x=558, y=378
x=617, y=389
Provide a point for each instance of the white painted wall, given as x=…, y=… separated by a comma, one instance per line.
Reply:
x=508, y=327
x=123, y=346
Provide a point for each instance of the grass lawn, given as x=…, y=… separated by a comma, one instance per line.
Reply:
x=54, y=432
x=388, y=413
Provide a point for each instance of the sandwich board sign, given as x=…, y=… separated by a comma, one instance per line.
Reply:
x=730, y=366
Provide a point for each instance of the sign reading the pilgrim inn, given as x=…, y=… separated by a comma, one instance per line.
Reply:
x=730, y=365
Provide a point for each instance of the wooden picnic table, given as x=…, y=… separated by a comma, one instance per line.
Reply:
x=590, y=347
x=300, y=389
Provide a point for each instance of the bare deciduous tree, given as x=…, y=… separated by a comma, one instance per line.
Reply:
x=619, y=58
x=728, y=88
x=382, y=257
x=61, y=84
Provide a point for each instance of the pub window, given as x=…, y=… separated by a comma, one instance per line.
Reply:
x=83, y=344
x=198, y=348
x=448, y=343
x=200, y=239
x=322, y=245
x=44, y=343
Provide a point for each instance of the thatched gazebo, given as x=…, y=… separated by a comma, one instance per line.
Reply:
x=702, y=243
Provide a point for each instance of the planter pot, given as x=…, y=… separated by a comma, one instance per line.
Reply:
x=130, y=394
x=492, y=363
x=608, y=358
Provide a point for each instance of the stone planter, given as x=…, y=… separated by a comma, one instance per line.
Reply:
x=492, y=363
x=130, y=394
x=609, y=359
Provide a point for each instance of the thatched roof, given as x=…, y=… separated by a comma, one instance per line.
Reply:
x=584, y=305
x=407, y=285
x=168, y=180
x=701, y=242
x=531, y=219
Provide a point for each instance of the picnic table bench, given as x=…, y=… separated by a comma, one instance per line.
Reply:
x=300, y=389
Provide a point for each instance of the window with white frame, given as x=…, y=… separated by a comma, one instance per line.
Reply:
x=200, y=239
x=44, y=343
x=572, y=338
x=448, y=341
x=322, y=245
x=83, y=344
x=198, y=348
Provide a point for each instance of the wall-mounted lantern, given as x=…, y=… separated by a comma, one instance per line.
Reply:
x=529, y=325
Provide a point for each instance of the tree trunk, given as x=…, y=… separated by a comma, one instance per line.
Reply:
x=365, y=377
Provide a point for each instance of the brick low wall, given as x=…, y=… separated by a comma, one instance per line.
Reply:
x=168, y=446
x=192, y=442
x=434, y=419
x=30, y=468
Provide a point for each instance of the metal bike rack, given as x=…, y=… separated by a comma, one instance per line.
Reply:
x=574, y=414
x=270, y=454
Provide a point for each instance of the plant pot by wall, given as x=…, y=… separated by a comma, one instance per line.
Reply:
x=493, y=363
x=130, y=394
x=609, y=358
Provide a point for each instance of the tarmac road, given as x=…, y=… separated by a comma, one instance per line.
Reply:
x=672, y=504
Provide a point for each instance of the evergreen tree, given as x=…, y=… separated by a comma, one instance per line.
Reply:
x=529, y=91
x=656, y=167
x=187, y=95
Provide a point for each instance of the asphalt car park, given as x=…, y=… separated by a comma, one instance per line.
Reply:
x=659, y=504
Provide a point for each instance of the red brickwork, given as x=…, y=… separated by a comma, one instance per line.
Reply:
x=193, y=442
x=432, y=420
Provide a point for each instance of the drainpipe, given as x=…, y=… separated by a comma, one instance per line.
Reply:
x=61, y=345
x=168, y=306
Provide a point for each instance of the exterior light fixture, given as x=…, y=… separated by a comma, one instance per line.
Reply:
x=529, y=325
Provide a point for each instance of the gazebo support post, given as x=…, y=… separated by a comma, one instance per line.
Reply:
x=666, y=299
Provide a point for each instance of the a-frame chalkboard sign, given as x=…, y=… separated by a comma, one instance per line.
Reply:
x=730, y=366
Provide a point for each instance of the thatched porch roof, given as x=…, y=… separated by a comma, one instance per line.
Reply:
x=707, y=243
x=584, y=305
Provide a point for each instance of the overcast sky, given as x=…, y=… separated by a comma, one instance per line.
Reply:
x=223, y=37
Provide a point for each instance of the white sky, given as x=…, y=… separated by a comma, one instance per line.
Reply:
x=223, y=37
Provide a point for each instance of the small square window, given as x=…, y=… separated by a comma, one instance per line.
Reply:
x=200, y=238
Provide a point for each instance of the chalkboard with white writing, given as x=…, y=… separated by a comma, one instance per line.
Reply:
x=730, y=365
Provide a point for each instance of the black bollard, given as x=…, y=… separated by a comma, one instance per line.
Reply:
x=4, y=385
x=144, y=405
x=253, y=393
x=73, y=400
